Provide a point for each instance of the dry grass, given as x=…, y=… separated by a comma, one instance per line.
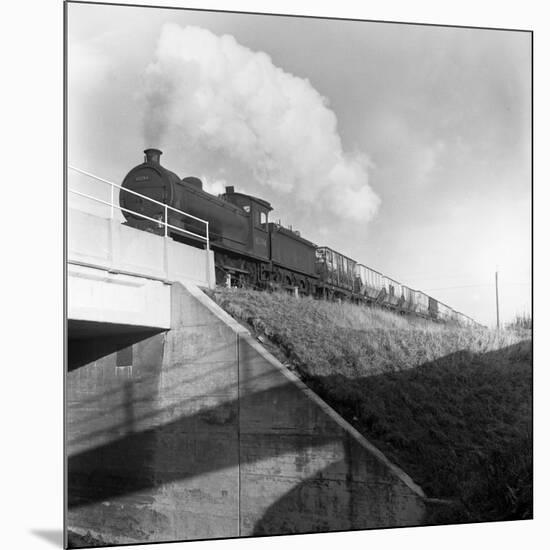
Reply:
x=322, y=338
x=451, y=405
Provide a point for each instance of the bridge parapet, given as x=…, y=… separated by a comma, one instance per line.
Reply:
x=107, y=244
x=120, y=275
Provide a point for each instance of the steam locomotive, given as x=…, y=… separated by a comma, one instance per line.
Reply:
x=249, y=250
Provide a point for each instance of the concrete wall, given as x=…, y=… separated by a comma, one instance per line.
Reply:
x=95, y=295
x=207, y=435
x=108, y=244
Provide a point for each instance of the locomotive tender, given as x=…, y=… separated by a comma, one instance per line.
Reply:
x=251, y=251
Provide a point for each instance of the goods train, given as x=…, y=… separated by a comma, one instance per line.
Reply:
x=249, y=250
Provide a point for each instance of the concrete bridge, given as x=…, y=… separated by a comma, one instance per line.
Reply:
x=180, y=425
x=119, y=278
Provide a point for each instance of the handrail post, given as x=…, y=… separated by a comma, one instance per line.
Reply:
x=208, y=279
x=166, y=220
x=112, y=202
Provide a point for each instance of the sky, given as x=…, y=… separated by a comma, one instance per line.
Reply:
x=405, y=147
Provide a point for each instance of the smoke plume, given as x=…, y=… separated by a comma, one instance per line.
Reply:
x=243, y=120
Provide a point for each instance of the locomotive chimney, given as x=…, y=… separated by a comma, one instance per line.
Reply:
x=229, y=189
x=152, y=155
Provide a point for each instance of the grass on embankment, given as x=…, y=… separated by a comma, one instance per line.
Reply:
x=451, y=406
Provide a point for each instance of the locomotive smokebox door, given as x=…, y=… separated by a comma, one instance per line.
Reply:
x=149, y=180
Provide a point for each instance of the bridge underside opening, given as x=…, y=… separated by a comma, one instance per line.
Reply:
x=89, y=341
x=84, y=330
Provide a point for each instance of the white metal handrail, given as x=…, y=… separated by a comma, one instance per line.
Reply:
x=165, y=206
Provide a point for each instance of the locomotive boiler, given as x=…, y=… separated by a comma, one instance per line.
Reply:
x=229, y=220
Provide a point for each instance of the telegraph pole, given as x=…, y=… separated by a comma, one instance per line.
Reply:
x=496, y=288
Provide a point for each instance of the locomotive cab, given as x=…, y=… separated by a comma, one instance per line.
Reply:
x=258, y=211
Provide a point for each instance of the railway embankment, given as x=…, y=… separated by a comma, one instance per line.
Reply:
x=451, y=406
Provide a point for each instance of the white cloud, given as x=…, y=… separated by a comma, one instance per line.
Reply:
x=210, y=94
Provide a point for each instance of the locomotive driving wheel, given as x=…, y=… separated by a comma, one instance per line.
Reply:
x=221, y=275
x=276, y=276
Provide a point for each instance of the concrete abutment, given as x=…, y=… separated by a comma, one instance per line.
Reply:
x=203, y=434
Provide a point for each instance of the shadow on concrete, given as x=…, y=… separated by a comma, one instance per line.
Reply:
x=441, y=422
x=186, y=445
x=53, y=536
